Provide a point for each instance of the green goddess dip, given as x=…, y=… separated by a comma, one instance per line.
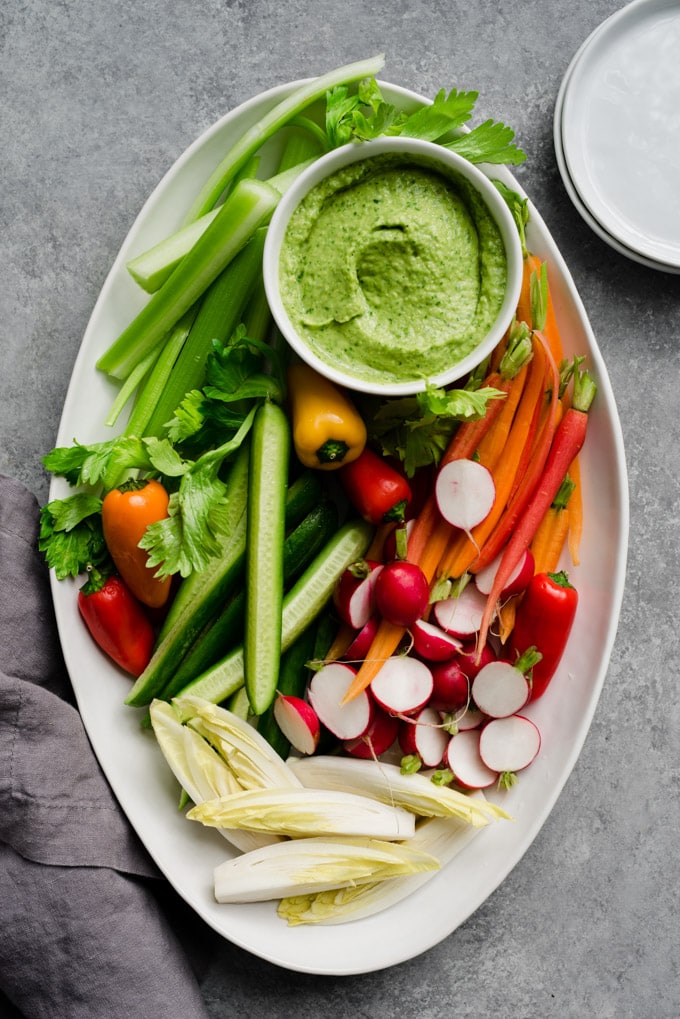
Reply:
x=392, y=270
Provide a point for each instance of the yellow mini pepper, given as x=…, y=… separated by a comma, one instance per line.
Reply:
x=328, y=431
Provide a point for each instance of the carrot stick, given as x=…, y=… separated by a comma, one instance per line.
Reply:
x=491, y=446
x=506, y=617
x=575, y=513
x=567, y=443
x=529, y=477
x=462, y=552
x=551, y=535
x=531, y=265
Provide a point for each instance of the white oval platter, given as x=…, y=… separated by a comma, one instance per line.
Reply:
x=186, y=853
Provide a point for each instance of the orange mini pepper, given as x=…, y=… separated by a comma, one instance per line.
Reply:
x=126, y=514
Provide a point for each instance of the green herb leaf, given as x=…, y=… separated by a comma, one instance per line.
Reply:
x=430, y=123
x=71, y=537
x=490, y=142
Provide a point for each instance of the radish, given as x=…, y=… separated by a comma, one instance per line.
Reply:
x=361, y=644
x=433, y=643
x=378, y=738
x=464, y=760
x=424, y=737
x=402, y=592
x=298, y=721
x=451, y=687
x=461, y=616
x=353, y=596
x=509, y=744
x=516, y=582
x=465, y=493
x=472, y=718
x=403, y=685
x=327, y=688
x=500, y=689
x=472, y=660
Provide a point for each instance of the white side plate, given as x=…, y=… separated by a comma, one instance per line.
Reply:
x=187, y=853
x=621, y=128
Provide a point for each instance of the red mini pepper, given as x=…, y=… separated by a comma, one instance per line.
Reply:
x=544, y=618
x=378, y=492
x=117, y=622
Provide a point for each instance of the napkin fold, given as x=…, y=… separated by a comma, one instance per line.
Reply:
x=84, y=928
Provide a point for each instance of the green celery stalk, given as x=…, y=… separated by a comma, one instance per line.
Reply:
x=150, y=392
x=151, y=268
x=277, y=117
x=248, y=207
x=219, y=313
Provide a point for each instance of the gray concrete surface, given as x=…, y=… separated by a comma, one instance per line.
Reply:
x=97, y=99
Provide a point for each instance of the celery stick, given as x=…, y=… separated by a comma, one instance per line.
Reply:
x=134, y=379
x=150, y=393
x=283, y=112
x=151, y=268
x=219, y=314
x=247, y=208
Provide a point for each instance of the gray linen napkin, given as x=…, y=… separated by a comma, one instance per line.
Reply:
x=82, y=933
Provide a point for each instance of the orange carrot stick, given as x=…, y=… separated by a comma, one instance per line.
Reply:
x=551, y=535
x=575, y=512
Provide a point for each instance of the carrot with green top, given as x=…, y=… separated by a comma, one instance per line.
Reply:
x=530, y=476
x=568, y=442
x=462, y=551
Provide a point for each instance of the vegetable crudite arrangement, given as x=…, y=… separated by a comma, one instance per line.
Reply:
x=332, y=609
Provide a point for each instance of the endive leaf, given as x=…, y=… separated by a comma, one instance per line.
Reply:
x=309, y=865
x=304, y=812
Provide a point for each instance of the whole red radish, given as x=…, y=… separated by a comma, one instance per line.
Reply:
x=472, y=660
x=451, y=686
x=402, y=592
x=378, y=738
x=361, y=644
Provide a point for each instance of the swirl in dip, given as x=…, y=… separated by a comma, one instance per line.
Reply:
x=392, y=269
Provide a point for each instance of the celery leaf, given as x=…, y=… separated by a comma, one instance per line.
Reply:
x=71, y=537
x=430, y=123
x=490, y=142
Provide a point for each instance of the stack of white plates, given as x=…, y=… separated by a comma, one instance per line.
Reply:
x=617, y=132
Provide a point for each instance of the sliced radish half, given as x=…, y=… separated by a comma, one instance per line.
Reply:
x=471, y=718
x=509, y=744
x=403, y=685
x=354, y=594
x=499, y=689
x=327, y=689
x=461, y=616
x=425, y=737
x=433, y=643
x=465, y=493
x=298, y=721
x=517, y=581
x=463, y=759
